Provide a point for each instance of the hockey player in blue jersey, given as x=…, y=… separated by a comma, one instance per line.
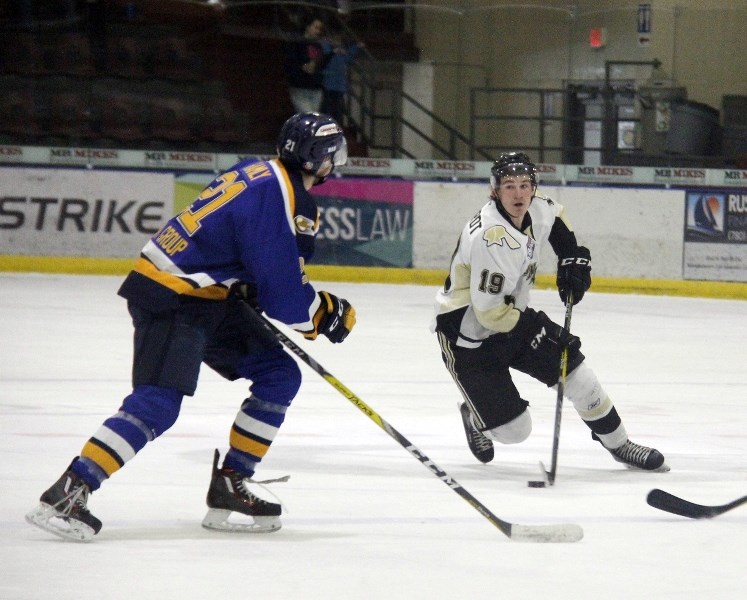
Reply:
x=241, y=245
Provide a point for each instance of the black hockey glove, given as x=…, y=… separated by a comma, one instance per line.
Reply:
x=536, y=328
x=247, y=292
x=335, y=318
x=558, y=335
x=574, y=274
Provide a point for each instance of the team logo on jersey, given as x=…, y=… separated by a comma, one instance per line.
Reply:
x=306, y=226
x=498, y=234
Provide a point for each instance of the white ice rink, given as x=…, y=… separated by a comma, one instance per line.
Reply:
x=363, y=519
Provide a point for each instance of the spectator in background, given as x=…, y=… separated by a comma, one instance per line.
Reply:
x=304, y=62
x=339, y=54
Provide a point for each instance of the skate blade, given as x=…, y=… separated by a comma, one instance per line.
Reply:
x=664, y=468
x=47, y=518
x=217, y=519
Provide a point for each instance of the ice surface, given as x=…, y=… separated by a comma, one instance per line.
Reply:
x=364, y=519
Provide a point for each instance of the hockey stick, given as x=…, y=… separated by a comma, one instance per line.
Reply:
x=519, y=533
x=550, y=475
x=670, y=503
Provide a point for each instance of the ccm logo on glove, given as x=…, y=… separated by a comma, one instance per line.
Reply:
x=574, y=275
x=564, y=262
x=335, y=318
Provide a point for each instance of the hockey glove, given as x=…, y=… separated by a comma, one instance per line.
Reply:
x=559, y=336
x=335, y=318
x=246, y=292
x=574, y=275
x=539, y=330
x=534, y=328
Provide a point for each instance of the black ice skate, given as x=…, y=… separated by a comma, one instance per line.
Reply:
x=480, y=446
x=62, y=510
x=228, y=493
x=638, y=457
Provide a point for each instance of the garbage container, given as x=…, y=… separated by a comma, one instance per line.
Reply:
x=656, y=102
x=694, y=129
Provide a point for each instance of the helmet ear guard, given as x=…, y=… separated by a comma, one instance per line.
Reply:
x=512, y=164
x=308, y=141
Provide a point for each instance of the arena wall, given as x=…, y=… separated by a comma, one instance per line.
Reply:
x=84, y=220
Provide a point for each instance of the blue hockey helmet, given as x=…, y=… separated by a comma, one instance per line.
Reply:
x=307, y=140
x=512, y=163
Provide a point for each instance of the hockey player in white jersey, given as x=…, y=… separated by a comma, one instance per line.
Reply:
x=485, y=326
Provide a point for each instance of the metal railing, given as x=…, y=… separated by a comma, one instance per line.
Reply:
x=389, y=121
x=546, y=102
x=540, y=122
x=392, y=123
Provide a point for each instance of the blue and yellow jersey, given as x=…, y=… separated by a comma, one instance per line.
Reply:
x=253, y=224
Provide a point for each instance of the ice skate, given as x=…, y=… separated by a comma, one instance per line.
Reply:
x=638, y=457
x=227, y=494
x=62, y=510
x=480, y=446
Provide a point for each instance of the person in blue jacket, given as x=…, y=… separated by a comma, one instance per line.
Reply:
x=338, y=57
x=193, y=295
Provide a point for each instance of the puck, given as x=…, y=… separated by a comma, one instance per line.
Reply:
x=536, y=484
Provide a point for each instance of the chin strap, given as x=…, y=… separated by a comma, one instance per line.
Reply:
x=320, y=180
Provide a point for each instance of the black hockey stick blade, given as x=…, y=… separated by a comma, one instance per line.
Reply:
x=520, y=533
x=548, y=478
x=675, y=505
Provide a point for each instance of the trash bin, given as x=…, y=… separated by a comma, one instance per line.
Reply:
x=735, y=141
x=656, y=102
x=694, y=129
x=734, y=110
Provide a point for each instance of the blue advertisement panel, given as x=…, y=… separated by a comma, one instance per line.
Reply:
x=716, y=235
x=364, y=222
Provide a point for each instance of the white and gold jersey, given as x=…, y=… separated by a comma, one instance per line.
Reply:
x=492, y=270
